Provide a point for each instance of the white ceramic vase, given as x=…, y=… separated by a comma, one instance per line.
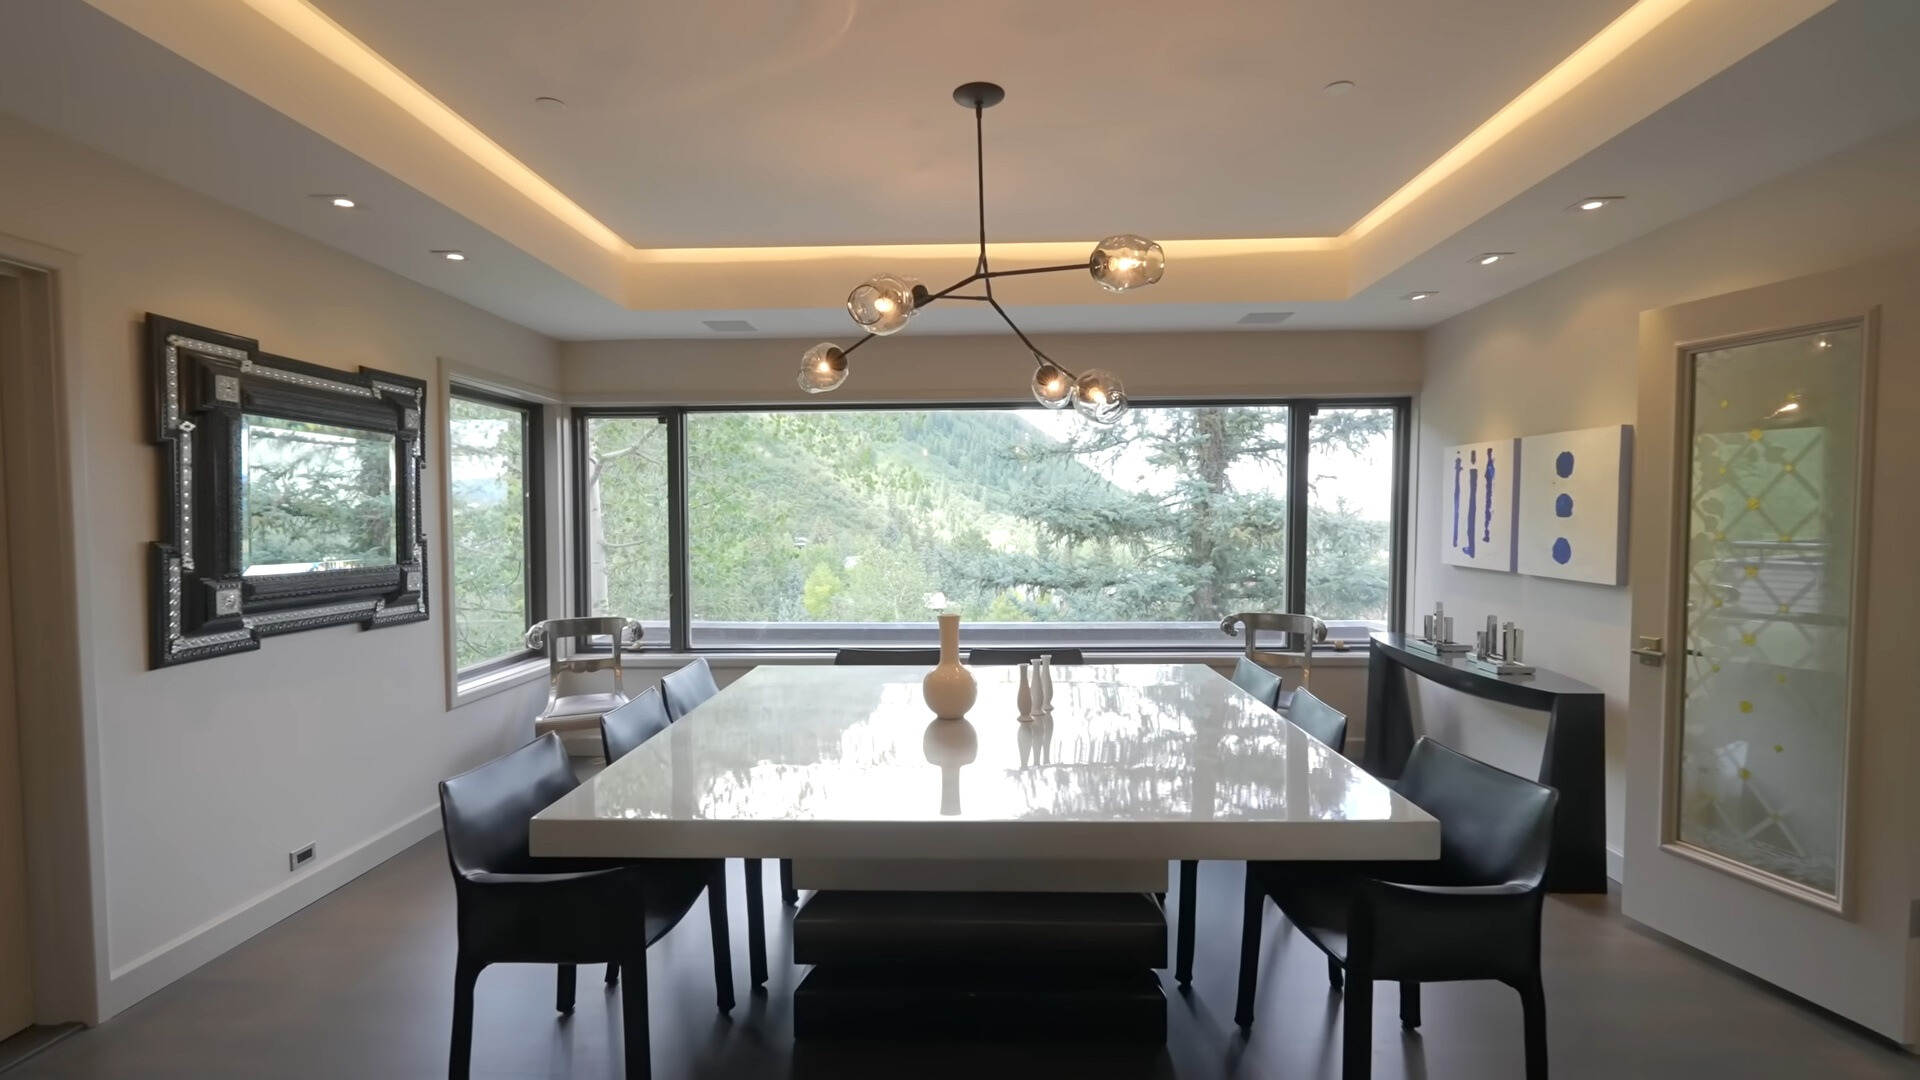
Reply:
x=949, y=689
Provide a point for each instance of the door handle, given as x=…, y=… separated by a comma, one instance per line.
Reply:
x=1650, y=652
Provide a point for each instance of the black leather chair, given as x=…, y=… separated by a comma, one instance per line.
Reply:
x=883, y=657
x=625, y=728
x=1024, y=656
x=1258, y=681
x=1310, y=714
x=1473, y=914
x=686, y=690
x=517, y=909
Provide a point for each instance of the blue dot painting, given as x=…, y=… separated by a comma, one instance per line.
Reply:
x=1572, y=504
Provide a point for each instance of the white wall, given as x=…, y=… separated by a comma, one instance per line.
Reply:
x=210, y=773
x=1561, y=354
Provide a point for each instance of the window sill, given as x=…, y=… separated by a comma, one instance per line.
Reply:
x=473, y=688
x=662, y=661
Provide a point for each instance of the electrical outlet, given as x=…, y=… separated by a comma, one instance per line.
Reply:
x=298, y=859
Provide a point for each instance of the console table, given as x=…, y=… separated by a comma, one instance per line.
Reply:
x=1574, y=761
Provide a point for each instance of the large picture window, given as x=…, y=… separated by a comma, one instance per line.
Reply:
x=494, y=521
x=819, y=528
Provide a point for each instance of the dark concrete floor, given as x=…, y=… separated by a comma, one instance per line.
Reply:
x=360, y=985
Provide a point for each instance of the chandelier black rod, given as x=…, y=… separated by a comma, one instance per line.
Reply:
x=980, y=183
x=1019, y=333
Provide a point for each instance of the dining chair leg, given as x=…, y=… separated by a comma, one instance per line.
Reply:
x=722, y=942
x=563, y=989
x=460, y=1049
x=1533, y=1004
x=1335, y=977
x=1251, y=911
x=788, y=894
x=756, y=927
x=1183, y=937
x=1410, y=1005
x=633, y=1020
x=613, y=974
x=1356, y=1050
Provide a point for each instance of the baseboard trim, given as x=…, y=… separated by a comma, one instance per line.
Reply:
x=134, y=981
x=1616, y=866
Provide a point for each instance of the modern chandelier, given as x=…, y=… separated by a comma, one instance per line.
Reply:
x=882, y=304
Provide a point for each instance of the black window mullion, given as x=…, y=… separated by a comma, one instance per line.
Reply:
x=1402, y=474
x=679, y=570
x=1299, y=429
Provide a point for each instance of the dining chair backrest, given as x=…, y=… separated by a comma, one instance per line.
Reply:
x=688, y=688
x=1495, y=828
x=1256, y=680
x=1024, y=656
x=487, y=812
x=886, y=657
x=625, y=728
x=1318, y=719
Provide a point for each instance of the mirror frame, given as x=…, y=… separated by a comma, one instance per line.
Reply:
x=203, y=605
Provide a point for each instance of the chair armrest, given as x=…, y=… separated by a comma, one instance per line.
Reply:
x=1423, y=932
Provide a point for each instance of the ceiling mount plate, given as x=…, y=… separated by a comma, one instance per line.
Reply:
x=978, y=95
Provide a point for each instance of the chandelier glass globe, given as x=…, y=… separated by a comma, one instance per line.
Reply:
x=1099, y=397
x=881, y=304
x=1126, y=262
x=823, y=368
x=1052, y=386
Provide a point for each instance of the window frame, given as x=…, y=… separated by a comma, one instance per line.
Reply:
x=1300, y=413
x=533, y=492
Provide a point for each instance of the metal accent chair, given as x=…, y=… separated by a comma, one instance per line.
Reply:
x=1474, y=914
x=686, y=690
x=1309, y=714
x=1307, y=630
x=1024, y=656
x=517, y=909
x=580, y=711
x=884, y=657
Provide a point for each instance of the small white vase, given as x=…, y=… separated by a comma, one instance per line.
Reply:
x=1025, y=698
x=949, y=689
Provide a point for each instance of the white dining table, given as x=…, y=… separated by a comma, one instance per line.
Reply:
x=845, y=770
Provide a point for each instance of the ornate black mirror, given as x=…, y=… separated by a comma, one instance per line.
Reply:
x=290, y=495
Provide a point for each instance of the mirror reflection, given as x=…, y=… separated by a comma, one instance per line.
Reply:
x=315, y=497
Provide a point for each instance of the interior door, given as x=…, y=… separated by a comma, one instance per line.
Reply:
x=1769, y=805
x=16, y=969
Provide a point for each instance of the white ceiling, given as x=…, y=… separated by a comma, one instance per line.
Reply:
x=1841, y=76
x=803, y=122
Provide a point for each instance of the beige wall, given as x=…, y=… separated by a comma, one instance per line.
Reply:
x=208, y=774
x=995, y=368
x=1560, y=354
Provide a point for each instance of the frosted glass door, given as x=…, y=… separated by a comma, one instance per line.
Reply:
x=1773, y=502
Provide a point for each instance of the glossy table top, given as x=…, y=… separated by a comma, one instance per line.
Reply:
x=1134, y=761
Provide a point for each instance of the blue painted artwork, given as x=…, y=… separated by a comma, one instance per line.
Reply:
x=1473, y=497
x=1486, y=527
x=1479, y=531
x=1572, y=508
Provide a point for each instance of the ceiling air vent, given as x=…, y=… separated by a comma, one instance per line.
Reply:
x=1264, y=318
x=730, y=326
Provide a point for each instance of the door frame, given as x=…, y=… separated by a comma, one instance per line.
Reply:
x=1674, y=695
x=59, y=753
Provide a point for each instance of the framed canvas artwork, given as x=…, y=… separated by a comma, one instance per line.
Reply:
x=1573, y=504
x=1481, y=488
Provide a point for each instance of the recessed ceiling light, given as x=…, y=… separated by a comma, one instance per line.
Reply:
x=1421, y=294
x=452, y=256
x=1335, y=89
x=1595, y=202
x=552, y=103
x=344, y=202
x=1491, y=257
